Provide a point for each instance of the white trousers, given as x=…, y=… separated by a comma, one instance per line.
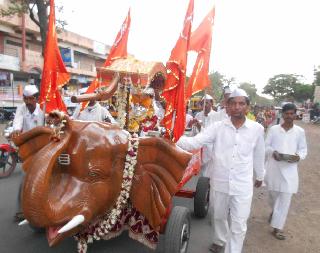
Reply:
x=280, y=204
x=229, y=219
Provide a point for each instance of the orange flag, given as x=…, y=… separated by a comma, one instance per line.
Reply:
x=201, y=40
x=118, y=50
x=54, y=73
x=175, y=114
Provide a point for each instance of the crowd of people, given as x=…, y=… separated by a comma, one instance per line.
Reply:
x=236, y=157
x=236, y=153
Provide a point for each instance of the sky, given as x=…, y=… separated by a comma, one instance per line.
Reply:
x=253, y=40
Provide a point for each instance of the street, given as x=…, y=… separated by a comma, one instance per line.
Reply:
x=302, y=228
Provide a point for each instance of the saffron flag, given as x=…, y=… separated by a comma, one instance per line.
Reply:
x=118, y=50
x=175, y=113
x=54, y=73
x=201, y=40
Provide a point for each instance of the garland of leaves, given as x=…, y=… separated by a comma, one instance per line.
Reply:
x=122, y=104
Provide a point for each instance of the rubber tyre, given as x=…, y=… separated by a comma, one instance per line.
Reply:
x=177, y=232
x=201, y=197
x=7, y=164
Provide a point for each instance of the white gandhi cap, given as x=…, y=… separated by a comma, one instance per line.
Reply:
x=227, y=90
x=30, y=90
x=238, y=93
x=207, y=97
x=83, y=90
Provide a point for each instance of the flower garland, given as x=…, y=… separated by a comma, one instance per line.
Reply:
x=149, y=123
x=102, y=228
x=122, y=104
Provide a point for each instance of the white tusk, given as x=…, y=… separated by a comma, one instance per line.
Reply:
x=76, y=220
x=24, y=222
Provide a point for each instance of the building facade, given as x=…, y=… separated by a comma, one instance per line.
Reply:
x=21, y=59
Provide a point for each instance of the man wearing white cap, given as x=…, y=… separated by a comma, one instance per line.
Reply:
x=29, y=114
x=93, y=112
x=201, y=121
x=238, y=148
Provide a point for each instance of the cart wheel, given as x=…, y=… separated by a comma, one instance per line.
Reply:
x=201, y=198
x=177, y=233
x=8, y=162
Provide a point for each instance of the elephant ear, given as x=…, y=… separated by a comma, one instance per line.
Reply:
x=30, y=142
x=160, y=168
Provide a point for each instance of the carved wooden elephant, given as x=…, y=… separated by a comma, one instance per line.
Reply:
x=53, y=194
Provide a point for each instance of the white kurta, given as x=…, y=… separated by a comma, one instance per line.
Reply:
x=188, y=119
x=220, y=115
x=206, y=121
x=93, y=113
x=25, y=121
x=158, y=110
x=235, y=153
x=280, y=175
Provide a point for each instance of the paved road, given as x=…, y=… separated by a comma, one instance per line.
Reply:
x=22, y=239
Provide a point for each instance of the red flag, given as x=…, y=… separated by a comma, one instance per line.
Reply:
x=200, y=42
x=118, y=50
x=174, y=87
x=54, y=73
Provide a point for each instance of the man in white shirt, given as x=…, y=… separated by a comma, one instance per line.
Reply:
x=238, y=148
x=93, y=112
x=28, y=115
x=201, y=121
x=282, y=172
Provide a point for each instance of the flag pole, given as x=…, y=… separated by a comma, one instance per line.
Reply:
x=44, y=112
x=173, y=123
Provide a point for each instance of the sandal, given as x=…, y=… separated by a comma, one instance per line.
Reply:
x=278, y=234
x=215, y=248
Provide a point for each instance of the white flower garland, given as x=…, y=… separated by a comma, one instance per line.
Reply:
x=111, y=217
x=122, y=95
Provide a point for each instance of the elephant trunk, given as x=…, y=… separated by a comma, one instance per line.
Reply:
x=37, y=182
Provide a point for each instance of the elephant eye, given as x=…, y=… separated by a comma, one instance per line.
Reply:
x=93, y=174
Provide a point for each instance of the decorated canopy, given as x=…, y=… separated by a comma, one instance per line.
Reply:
x=141, y=72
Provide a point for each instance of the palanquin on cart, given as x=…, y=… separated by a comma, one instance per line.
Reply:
x=92, y=180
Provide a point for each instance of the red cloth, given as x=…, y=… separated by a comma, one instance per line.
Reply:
x=54, y=74
x=174, y=87
x=118, y=50
x=200, y=42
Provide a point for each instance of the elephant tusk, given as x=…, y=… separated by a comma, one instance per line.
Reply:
x=24, y=222
x=76, y=220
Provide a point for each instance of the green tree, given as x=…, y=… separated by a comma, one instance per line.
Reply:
x=281, y=86
x=316, y=77
x=37, y=11
x=217, y=82
x=303, y=92
x=288, y=87
x=251, y=90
